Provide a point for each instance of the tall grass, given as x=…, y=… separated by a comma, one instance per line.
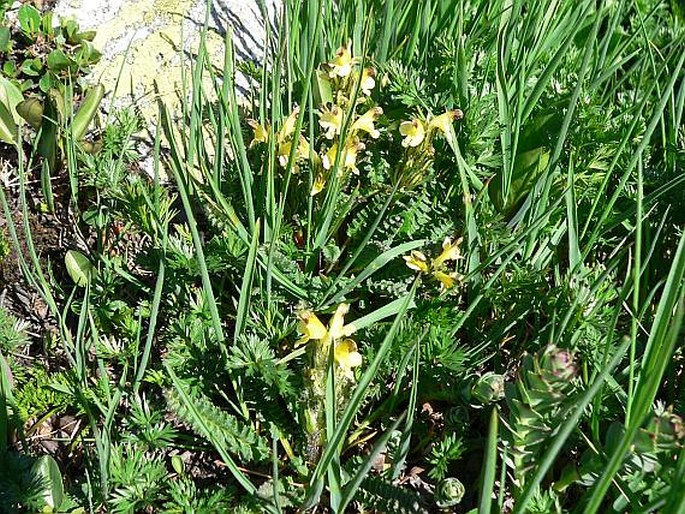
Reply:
x=554, y=180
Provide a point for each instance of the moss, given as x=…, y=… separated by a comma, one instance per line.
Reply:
x=5, y=247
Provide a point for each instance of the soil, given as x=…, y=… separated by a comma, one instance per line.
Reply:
x=51, y=235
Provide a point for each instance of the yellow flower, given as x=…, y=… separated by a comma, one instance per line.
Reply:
x=331, y=120
x=413, y=132
x=288, y=127
x=447, y=280
x=417, y=261
x=261, y=133
x=310, y=327
x=341, y=65
x=365, y=122
x=347, y=356
x=348, y=160
x=301, y=153
x=303, y=149
x=444, y=122
x=319, y=183
x=450, y=252
x=368, y=80
x=337, y=327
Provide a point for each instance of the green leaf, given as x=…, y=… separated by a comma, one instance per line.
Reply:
x=10, y=69
x=58, y=60
x=86, y=35
x=46, y=83
x=4, y=39
x=322, y=89
x=29, y=19
x=10, y=96
x=32, y=67
x=70, y=30
x=31, y=110
x=89, y=108
x=48, y=471
x=79, y=267
x=178, y=464
x=87, y=54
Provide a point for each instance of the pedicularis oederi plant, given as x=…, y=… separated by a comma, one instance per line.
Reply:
x=429, y=259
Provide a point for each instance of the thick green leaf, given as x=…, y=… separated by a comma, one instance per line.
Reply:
x=46, y=469
x=4, y=39
x=10, y=97
x=31, y=110
x=79, y=267
x=87, y=111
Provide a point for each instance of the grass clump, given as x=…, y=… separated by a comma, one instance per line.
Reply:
x=431, y=262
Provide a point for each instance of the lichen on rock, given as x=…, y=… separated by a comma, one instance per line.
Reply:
x=147, y=44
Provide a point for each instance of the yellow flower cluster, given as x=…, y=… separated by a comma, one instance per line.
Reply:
x=341, y=75
x=344, y=88
x=416, y=130
x=418, y=138
x=337, y=333
x=438, y=267
x=284, y=139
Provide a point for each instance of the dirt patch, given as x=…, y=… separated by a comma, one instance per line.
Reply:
x=50, y=234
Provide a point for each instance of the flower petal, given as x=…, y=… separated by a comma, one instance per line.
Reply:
x=413, y=132
x=450, y=252
x=337, y=323
x=318, y=185
x=447, y=280
x=289, y=125
x=346, y=354
x=261, y=133
x=331, y=120
x=444, y=122
x=368, y=80
x=365, y=122
x=341, y=65
x=416, y=261
x=311, y=327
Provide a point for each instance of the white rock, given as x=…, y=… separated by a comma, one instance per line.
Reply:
x=142, y=40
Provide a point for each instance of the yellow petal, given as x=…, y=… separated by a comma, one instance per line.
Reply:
x=303, y=149
x=310, y=327
x=416, y=261
x=351, y=150
x=337, y=323
x=368, y=80
x=413, y=132
x=450, y=252
x=301, y=153
x=261, y=133
x=341, y=65
x=447, y=280
x=346, y=354
x=444, y=122
x=284, y=153
x=289, y=125
x=331, y=120
x=348, y=160
x=365, y=122
x=328, y=158
x=318, y=185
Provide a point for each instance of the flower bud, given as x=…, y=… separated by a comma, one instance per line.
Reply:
x=449, y=492
x=489, y=388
